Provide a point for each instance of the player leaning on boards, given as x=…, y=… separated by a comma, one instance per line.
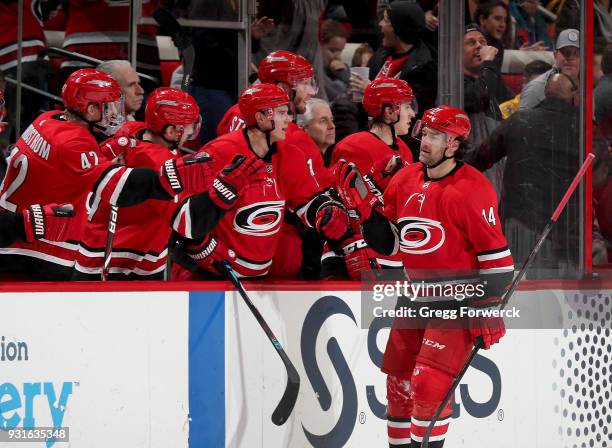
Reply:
x=58, y=160
x=440, y=214
x=379, y=154
x=248, y=235
x=140, y=243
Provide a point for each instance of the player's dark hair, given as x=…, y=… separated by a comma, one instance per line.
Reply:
x=464, y=146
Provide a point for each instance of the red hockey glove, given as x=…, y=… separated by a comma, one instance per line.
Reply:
x=354, y=192
x=331, y=220
x=228, y=184
x=115, y=147
x=209, y=253
x=50, y=222
x=360, y=261
x=189, y=175
x=486, y=331
x=381, y=173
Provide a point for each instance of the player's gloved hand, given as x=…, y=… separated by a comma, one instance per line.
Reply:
x=50, y=222
x=360, y=261
x=114, y=148
x=232, y=179
x=486, y=331
x=331, y=220
x=381, y=173
x=354, y=192
x=188, y=175
x=209, y=253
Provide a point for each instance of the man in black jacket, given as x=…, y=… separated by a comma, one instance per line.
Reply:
x=403, y=54
x=543, y=156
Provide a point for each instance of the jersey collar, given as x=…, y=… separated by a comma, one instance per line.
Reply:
x=450, y=173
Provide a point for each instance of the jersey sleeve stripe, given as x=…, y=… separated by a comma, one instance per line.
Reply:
x=497, y=270
x=492, y=251
x=182, y=222
x=104, y=180
x=119, y=186
x=494, y=256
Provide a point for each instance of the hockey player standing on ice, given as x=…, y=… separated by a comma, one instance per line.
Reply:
x=58, y=160
x=140, y=245
x=441, y=215
x=248, y=235
x=379, y=154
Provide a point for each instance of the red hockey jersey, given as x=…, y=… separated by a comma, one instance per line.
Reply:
x=233, y=120
x=33, y=36
x=54, y=161
x=449, y=225
x=252, y=227
x=364, y=149
x=140, y=245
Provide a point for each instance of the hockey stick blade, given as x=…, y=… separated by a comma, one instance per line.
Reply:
x=560, y=207
x=287, y=403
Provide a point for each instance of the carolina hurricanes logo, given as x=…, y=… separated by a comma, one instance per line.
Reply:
x=420, y=235
x=260, y=219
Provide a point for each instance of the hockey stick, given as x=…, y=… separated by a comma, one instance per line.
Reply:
x=287, y=402
x=108, y=249
x=170, y=26
x=534, y=251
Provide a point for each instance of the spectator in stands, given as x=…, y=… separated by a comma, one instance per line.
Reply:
x=318, y=123
x=362, y=55
x=403, y=54
x=531, y=71
x=567, y=60
x=603, y=92
x=484, y=89
x=493, y=19
x=337, y=73
x=603, y=20
x=598, y=50
x=129, y=82
x=542, y=148
x=532, y=29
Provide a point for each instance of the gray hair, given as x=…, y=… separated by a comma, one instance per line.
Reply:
x=111, y=67
x=306, y=117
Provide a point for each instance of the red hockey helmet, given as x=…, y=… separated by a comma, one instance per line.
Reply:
x=167, y=106
x=284, y=66
x=89, y=86
x=261, y=98
x=387, y=92
x=450, y=120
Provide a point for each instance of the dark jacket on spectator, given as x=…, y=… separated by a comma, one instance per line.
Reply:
x=420, y=71
x=484, y=94
x=542, y=149
x=603, y=101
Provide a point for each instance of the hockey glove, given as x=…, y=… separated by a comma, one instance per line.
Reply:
x=486, y=331
x=188, y=175
x=115, y=147
x=331, y=220
x=381, y=173
x=361, y=264
x=236, y=176
x=50, y=222
x=209, y=253
x=354, y=193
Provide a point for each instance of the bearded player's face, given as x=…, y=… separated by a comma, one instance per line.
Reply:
x=433, y=146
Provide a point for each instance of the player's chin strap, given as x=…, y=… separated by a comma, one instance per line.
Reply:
x=267, y=133
x=93, y=125
x=391, y=125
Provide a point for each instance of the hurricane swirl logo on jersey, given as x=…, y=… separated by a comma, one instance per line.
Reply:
x=420, y=235
x=260, y=219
